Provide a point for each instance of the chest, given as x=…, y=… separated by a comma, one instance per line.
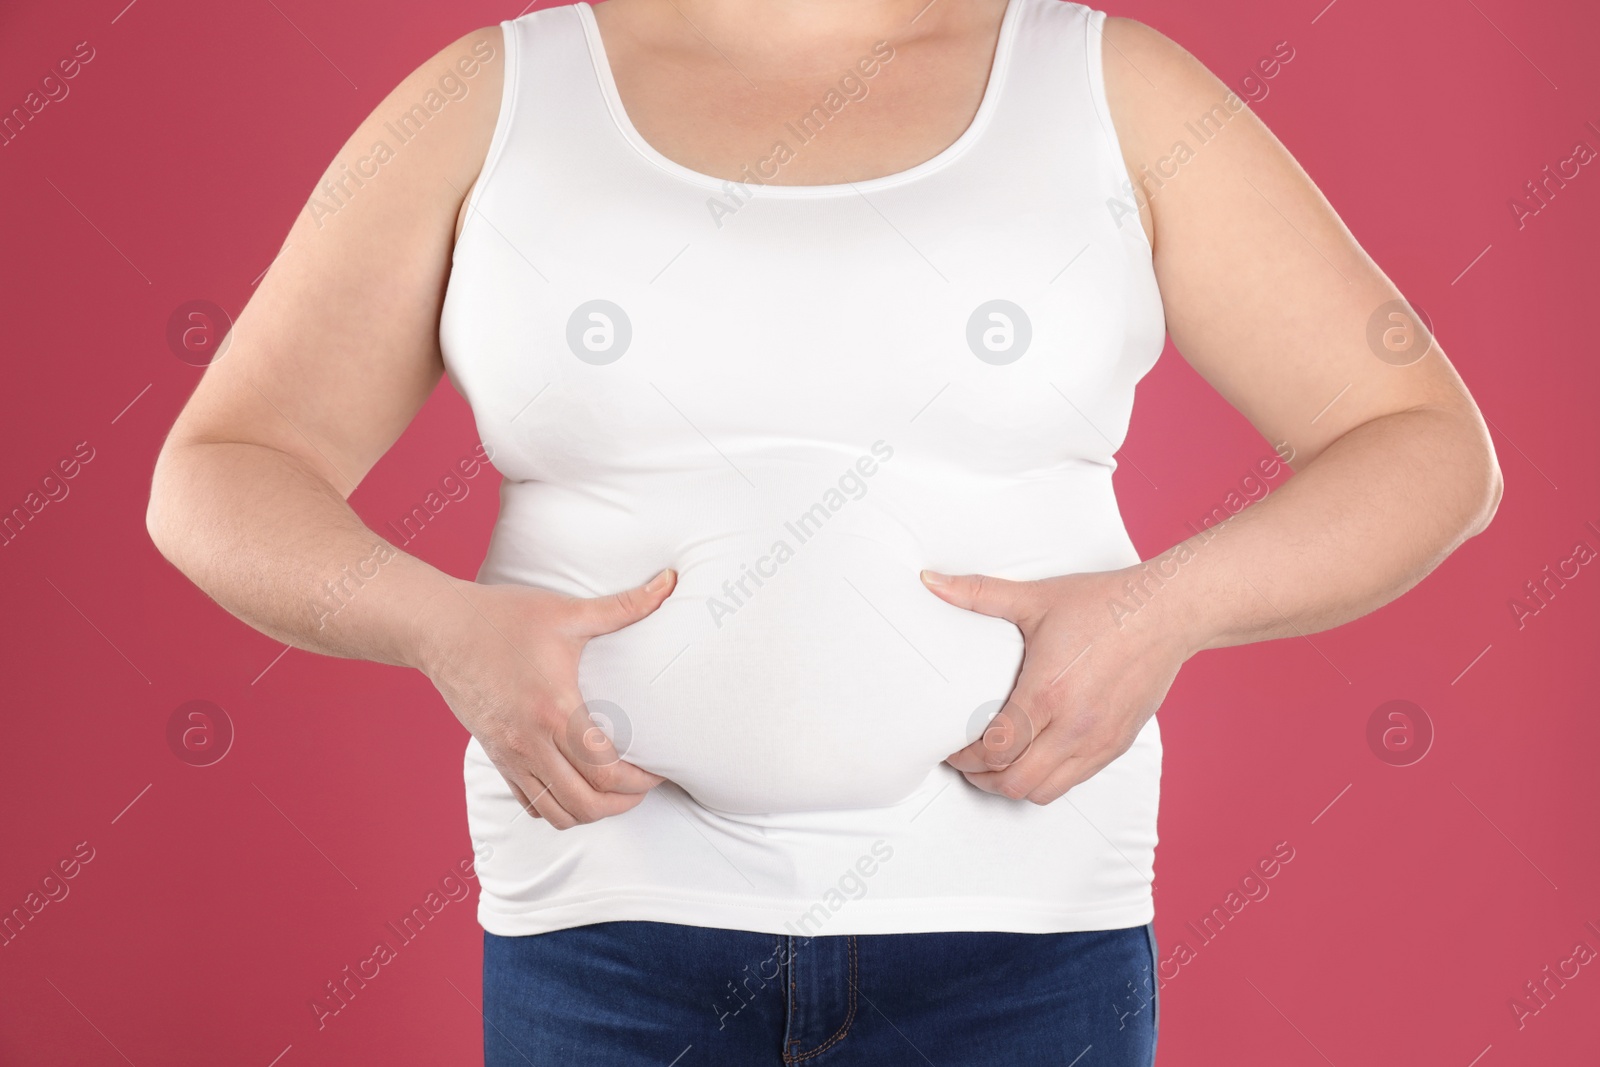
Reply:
x=616, y=313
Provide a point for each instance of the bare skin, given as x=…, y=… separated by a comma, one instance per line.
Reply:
x=1267, y=295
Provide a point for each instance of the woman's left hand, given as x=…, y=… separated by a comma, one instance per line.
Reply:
x=1096, y=665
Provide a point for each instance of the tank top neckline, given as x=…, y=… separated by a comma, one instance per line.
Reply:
x=624, y=126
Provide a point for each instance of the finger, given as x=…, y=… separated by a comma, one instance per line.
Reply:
x=606, y=614
x=590, y=749
x=1057, y=750
x=1038, y=785
x=1020, y=776
x=1005, y=739
x=546, y=805
x=580, y=801
x=537, y=800
x=1000, y=597
x=1068, y=776
x=521, y=798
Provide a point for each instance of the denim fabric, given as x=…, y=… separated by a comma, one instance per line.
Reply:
x=628, y=994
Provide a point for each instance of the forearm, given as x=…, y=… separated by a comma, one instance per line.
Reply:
x=1371, y=516
x=277, y=546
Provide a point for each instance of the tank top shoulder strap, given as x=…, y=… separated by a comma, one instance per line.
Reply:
x=556, y=72
x=1053, y=104
x=550, y=107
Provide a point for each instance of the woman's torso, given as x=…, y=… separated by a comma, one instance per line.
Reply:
x=799, y=396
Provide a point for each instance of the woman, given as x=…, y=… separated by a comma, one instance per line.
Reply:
x=810, y=673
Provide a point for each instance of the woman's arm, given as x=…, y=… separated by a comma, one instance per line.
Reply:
x=1270, y=298
x=327, y=364
x=329, y=361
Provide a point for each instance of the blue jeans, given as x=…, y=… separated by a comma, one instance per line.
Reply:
x=630, y=994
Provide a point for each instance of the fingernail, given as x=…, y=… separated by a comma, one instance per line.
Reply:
x=659, y=582
x=935, y=579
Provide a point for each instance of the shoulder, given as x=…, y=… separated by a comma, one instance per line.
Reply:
x=1135, y=47
x=464, y=78
x=1169, y=108
x=454, y=95
x=1153, y=82
x=456, y=72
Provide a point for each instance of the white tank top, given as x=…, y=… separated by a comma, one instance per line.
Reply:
x=799, y=397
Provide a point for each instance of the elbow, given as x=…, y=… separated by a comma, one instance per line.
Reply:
x=1491, y=487
x=158, y=510
x=1497, y=487
x=1496, y=490
x=1467, y=452
x=152, y=527
x=153, y=524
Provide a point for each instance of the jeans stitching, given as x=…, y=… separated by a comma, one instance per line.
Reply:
x=1155, y=986
x=849, y=1018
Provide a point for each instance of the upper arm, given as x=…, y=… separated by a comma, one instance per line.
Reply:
x=338, y=348
x=1267, y=294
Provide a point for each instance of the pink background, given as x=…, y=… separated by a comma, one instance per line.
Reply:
x=220, y=899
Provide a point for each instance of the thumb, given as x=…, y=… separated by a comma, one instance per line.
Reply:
x=1000, y=597
x=606, y=614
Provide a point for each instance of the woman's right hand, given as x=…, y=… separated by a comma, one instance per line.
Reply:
x=505, y=658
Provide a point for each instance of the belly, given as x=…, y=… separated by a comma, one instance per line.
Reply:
x=791, y=674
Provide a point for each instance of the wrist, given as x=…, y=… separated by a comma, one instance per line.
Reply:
x=432, y=630
x=1164, y=594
